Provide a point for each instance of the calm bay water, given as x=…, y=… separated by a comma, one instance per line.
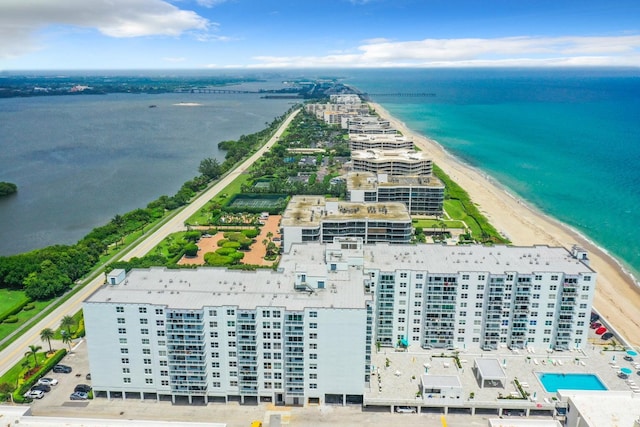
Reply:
x=80, y=160
x=565, y=140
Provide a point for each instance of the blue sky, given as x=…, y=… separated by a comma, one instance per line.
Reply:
x=152, y=34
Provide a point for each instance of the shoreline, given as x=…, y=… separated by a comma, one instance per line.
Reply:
x=617, y=296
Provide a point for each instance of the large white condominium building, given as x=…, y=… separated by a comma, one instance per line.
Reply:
x=380, y=142
x=367, y=125
x=423, y=195
x=300, y=335
x=304, y=333
x=351, y=99
x=476, y=296
x=396, y=162
x=316, y=219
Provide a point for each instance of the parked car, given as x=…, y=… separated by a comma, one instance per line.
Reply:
x=84, y=388
x=62, y=369
x=606, y=336
x=78, y=395
x=45, y=388
x=405, y=410
x=595, y=325
x=34, y=394
x=48, y=381
x=594, y=317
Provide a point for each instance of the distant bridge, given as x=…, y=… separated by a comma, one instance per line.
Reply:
x=212, y=90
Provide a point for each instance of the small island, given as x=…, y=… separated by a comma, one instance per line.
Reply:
x=7, y=188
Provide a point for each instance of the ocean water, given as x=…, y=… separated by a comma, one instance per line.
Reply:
x=566, y=141
x=80, y=160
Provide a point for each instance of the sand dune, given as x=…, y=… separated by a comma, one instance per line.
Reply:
x=617, y=295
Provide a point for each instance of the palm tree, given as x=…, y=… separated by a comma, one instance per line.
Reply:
x=66, y=323
x=33, y=350
x=66, y=339
x=46, y=335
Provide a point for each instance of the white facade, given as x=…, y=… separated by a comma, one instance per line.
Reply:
x=601, y=408
x=303, y=334
x=220, y=335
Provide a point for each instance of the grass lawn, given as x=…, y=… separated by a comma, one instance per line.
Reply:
x=14, y=376
x=428, y=223
x=456, y=211
x=203, y=216
x=23, y=316
x=10, y=298
x=77, y=318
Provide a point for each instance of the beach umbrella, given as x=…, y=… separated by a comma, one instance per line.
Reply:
x=626, y=371
x=632, y=353
x=613, y=358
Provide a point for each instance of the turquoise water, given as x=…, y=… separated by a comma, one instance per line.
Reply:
x=566, y=141
x=555, y=382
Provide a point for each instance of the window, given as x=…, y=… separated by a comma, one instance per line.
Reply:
x=266, y=335
x=126, y=370
x=159, y=322
x=465, y=277
x=145, y=341
x=313, y=336
x=122, y=330
x=119, y=309
x=213, y=313
x=121, y=320
x=231, y=323
x=126, y=380
x=163, y=363
x=313, y=346
x=122, y=340
x=313, y=385
x=148, y=371
x=232, y=354
x=160, y=333
x=148, y=380
x=144, y=321
x=313, y=325
x=214, y=344
x=147, y=361
x=587, y=278
x=313, y=314
x=159, y=311
x=313, y=356
x=231, y=312
x=125, y=360
x=124, y=351
x=144, y=331
x=162, y=353
x=142, y=309
x=213, y=324
x=146, y=351
x=162, y=342
x=231, y=333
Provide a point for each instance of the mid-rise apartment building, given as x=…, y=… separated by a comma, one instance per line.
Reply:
x=423, y=195
x=380, y=142
x=392, y=162
x=316, y=219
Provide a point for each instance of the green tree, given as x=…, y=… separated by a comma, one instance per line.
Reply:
x=46, y=283
x=33, y=350
x=7, y=188
x=46, y=335
x=210, y=168
x=66, y=339
x=66, y=323
x=191, y=250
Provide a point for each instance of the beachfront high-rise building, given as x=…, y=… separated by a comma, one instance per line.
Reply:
x=368, y=124
x=316, y=219
x=300, y=335
x=423, y=195
x=380, y=142
x=304, y=333
x=392, y=162
x=481, y=296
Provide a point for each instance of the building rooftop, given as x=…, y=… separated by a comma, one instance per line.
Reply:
x=375, y=155
x=491, y=259
x=382, y=138
x=309, y=211
x=208, y=286
x=371, y=181
x=431, y=381
x=604, y=408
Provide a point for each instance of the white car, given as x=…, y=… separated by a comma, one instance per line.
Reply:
x=48, y=381
x=34, y=394
x=405, y=410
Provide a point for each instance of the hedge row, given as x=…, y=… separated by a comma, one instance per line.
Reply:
x=14, y=310
x=18, y=395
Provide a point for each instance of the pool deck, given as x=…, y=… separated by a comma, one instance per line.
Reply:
x=399, y=383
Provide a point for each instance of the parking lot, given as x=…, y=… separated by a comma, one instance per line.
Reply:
x=59, y=394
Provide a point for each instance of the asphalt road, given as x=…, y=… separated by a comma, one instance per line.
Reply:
x=16, y=350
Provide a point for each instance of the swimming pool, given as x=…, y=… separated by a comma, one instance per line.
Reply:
x=555, y=382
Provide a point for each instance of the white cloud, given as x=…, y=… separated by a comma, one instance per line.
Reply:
x=20, y=20
x=210, y=3
x=514, y=51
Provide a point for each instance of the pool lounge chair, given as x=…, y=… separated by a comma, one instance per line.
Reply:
x=536, y=361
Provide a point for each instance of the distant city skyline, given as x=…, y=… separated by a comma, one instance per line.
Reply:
x=220, y=34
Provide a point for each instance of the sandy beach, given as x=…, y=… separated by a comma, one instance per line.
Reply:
x=617, y=296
